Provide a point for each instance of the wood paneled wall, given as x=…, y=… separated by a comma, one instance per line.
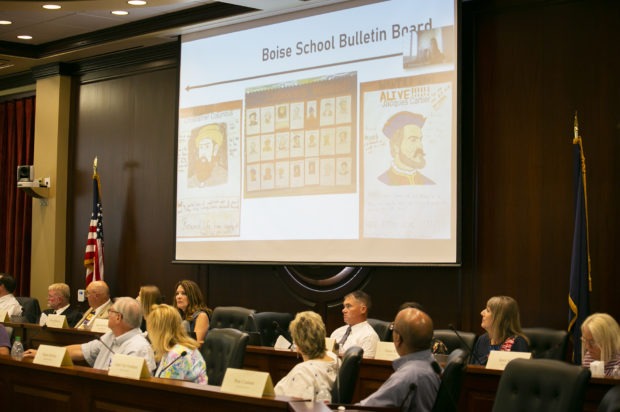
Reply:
x=527, y=66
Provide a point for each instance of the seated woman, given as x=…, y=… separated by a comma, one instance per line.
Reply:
x=170, y=342
x=189, y=301
x=600, y=340
x=314, y=377
x=148, y=296
x=501, y=321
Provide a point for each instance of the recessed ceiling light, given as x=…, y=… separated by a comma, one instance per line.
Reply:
x=6, y=22
x=120, y=12
x=24, y=37
x=136, y=2
x=51, y=6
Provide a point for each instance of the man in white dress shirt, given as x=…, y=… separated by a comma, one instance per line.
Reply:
x=357, y=331
x=8, y=302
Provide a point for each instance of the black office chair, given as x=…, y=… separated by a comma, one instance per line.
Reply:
x=270, y=325
x=31, y=311
x=451, y=382
x=541, y=385
x=222, y=349
x=611, y=401
x=234, y=317
x=452, y=340
x=382, y=328
x=343, y=389
x=548, y=343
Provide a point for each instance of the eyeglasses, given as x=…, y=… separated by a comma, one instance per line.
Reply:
x=589, y=342
x=115, y=311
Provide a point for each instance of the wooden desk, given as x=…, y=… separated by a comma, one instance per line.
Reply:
x=26, y=386
x=33, y=335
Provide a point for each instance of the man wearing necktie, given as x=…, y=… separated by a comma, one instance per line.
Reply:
x=357, y=331
x=58, y=301
x=98, y=295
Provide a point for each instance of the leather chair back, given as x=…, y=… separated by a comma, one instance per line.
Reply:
x=382, y=328
x=548, y=343
x=31, y=311
x=611, y=400
x=451, y=382
x=270, y=325
x=452, y=341
x=343, y=389
x=541, y=385
x=234, y=317
x=222, y=349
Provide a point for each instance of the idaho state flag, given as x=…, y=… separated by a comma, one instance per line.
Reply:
x=580, y=278
x=93, y=256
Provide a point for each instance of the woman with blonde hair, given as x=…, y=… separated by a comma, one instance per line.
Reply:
x=170, y=342
x=314, y=378
x=500, y=319
x=600, y=340
x=189, y=301
x=148, y=296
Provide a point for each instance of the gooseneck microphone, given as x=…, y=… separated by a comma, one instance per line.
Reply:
x=471, y=351
x=106, y=346
x=181, y=356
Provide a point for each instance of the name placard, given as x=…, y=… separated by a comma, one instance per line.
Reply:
x=52, y=356
x=282, y=343
x=247, y=383
x=329, y=344
x=100, y=325
x=127, y=366
x=56, y=321
x=499, y=359
x=4, y=316
x=386, y=351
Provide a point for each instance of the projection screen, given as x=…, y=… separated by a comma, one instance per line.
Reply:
x=322, y=136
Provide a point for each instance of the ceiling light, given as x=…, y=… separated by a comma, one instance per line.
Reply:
x=51, y=6
x=6, y=22
x=24, y=37
x=136, y=2
x=120, y=12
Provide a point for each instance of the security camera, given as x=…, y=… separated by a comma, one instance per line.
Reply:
x=25, y=173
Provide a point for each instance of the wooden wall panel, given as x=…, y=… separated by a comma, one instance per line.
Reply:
x=528, y=65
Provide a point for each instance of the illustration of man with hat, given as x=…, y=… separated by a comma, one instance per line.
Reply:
x=404, y=129
x=207, y=162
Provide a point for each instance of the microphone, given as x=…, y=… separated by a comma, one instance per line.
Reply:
x=412, y=388
x=181, y=356
x=472, y=353
x=436, y=368
x=277, y=331
x=106, y=346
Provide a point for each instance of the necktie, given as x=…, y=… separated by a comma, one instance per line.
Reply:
x=344, y=338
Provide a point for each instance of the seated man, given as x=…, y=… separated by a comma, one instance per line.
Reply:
x=8, y=302
x=98, y=295
x=125, y=337
x=357, y=331
x=58, y=295
x=414, y=384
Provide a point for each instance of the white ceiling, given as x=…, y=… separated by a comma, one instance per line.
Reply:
x=85, y=17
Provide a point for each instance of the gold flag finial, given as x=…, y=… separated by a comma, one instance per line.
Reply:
x=95, y=166
x=576, y=128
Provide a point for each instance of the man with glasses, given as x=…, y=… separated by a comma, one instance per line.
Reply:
x=58, y=301
x=98, y=295
x=414, y=384
x=125, y=337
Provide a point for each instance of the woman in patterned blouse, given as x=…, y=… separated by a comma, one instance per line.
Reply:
x=176, y=352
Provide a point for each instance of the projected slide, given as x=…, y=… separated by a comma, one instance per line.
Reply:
x=326, y=136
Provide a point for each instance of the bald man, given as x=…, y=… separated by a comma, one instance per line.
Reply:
x=414, y=384
x=98, y=295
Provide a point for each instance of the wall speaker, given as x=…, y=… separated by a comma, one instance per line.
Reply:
x=25, y=173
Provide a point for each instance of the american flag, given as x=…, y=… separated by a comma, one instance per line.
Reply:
x=93, y=257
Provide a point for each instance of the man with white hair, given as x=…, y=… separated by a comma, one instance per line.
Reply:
x=125, y=337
